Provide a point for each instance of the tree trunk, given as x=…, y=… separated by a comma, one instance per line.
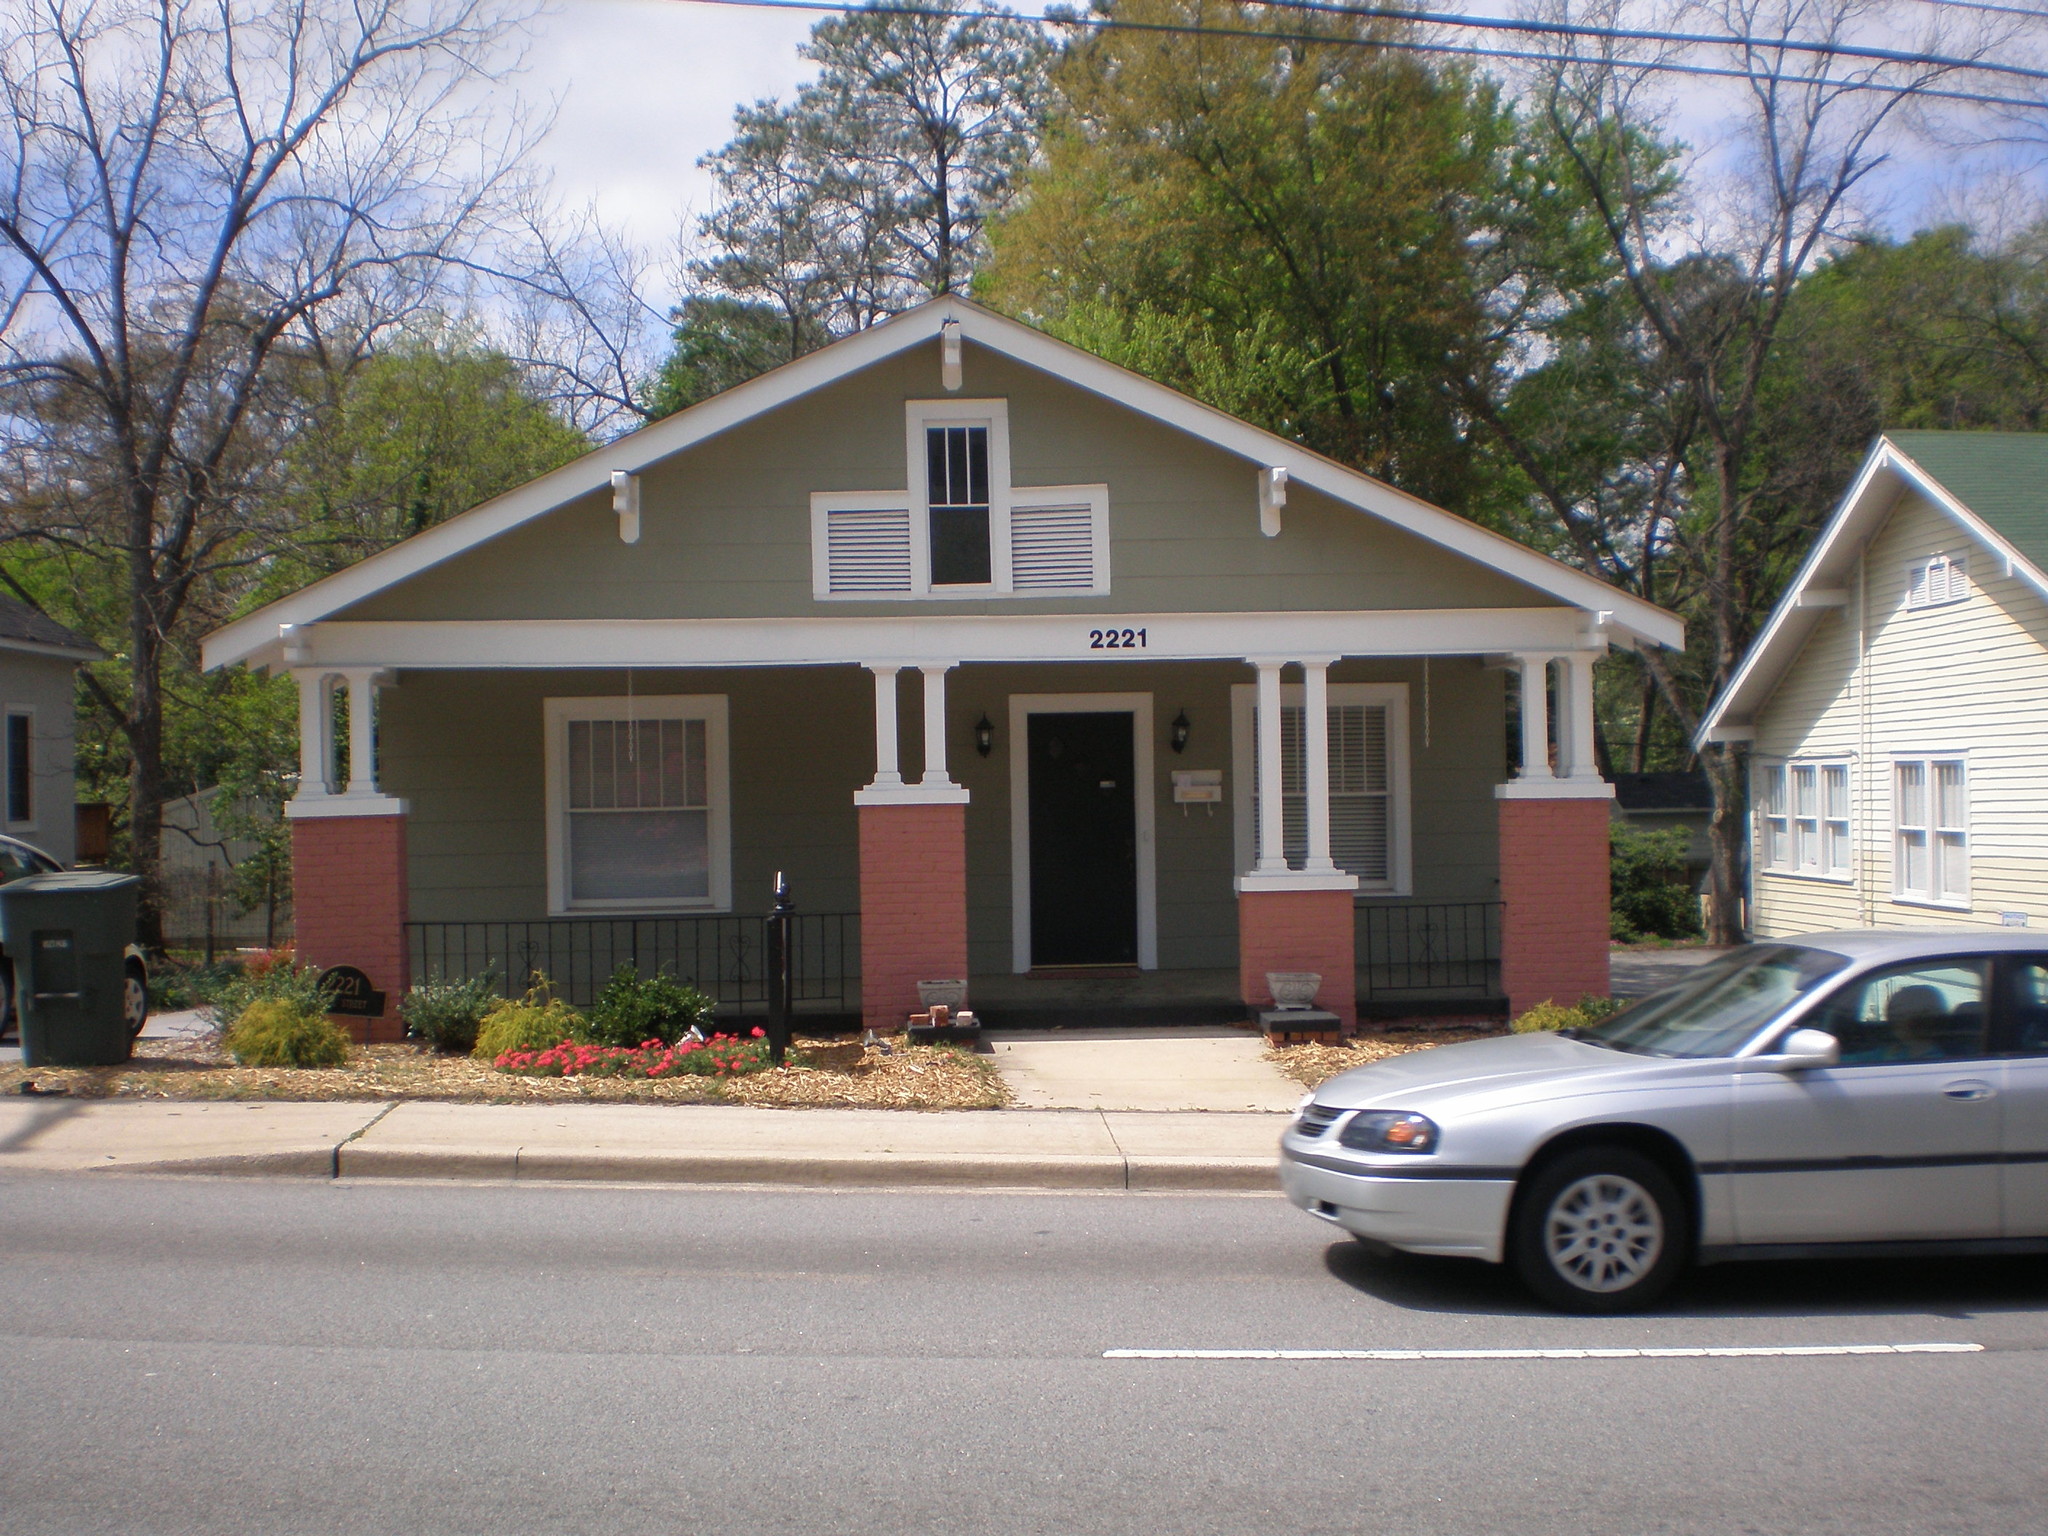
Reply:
x=144, y=729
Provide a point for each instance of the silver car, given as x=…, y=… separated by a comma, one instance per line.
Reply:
x=1839, y=1093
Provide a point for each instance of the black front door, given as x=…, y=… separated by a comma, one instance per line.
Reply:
x=1084, y=840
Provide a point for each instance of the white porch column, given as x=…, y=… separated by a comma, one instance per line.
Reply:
x=362, y=729
x=935, y=775
x=316, y=734
x=1575, y=718
x=1315, y=749
x=1272, y=826
x=888, y=774
x=1535, y=716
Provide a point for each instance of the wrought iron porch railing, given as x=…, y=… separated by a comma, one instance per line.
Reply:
x=723, y=956
x=1433, y=949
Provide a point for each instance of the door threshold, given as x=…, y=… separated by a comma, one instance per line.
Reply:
x=1084, y=972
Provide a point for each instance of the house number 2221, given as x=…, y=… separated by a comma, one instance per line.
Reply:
x=1116, y=639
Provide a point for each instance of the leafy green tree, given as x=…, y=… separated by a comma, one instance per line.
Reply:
x=719, y=342
x=1345, y=243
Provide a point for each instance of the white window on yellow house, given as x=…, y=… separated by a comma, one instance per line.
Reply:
x=1931, y=830
x=1803, y=821
x=1936, y=582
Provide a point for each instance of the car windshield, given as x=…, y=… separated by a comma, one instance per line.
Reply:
x=1717, y=1009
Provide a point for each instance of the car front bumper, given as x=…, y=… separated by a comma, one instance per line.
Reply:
x=1456, y=1216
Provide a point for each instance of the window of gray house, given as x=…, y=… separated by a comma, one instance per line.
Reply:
x=639, y=808
x=21, y=768
x=956, y=478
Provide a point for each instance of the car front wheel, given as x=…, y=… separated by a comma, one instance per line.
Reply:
x=135, y=997
x=1602, y=1229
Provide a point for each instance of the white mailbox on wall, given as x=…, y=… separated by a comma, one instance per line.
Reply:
x=1198, y=786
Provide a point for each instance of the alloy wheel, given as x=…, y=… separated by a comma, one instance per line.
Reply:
x=1603, y=1233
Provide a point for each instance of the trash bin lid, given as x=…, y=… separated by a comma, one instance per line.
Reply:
x=68, y=880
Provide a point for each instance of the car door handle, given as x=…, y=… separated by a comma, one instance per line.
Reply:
x=1968, y=1091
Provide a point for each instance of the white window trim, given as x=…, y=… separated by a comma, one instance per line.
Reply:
x=1761, y=834
x=1139, y=707
x=708, y=707
x=995, y=415
x=1902, y=897
x=35, y=793
x=1004, y=497
x=1243, y=709
x=1955, y=566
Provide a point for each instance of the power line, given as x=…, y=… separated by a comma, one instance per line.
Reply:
x=1396, y=45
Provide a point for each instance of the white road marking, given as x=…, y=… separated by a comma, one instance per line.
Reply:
x=1675, y=1352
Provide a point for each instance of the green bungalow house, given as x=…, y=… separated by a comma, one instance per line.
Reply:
x=989, y=648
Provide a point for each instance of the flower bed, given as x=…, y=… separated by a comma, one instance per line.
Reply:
x=720, y=1056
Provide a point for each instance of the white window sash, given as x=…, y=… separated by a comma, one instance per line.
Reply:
x=1930, y=830
x=1803, y=818
x=1393, y=697
x=558, y=715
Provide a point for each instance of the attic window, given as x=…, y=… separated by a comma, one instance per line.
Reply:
x=1937, y=582
x=956, y=481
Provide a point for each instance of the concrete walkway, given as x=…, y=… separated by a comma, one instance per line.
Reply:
x=1135, y=1069
x=678, y=1144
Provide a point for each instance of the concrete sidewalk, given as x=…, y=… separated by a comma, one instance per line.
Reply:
x=679, y=1144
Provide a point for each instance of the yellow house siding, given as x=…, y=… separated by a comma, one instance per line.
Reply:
x=1967, y=679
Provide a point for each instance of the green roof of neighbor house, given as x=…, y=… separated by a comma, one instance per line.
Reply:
x=1999, y=479
x=2000, y=476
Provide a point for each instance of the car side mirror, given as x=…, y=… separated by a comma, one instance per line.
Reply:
x=1803, y=1050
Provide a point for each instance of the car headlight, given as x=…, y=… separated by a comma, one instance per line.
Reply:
x=1389, y=1130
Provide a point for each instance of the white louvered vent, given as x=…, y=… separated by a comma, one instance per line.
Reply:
x=867, y=551
x=1052, y=549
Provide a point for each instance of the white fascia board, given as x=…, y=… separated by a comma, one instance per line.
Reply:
x=921, y=641
x=254, y=638
x=1870, y=495
x=1975, y=526
x=1643, y=620
x=76, y=654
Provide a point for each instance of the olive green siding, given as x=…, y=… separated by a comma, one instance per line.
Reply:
x=725, y=525
x=465, y=748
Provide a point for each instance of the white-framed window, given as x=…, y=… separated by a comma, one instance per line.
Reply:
x=639, y=807
x=20, y=786
x=1369, y=799
x=1803, y=819
x=959, y=528
x=1931, y=830
x=1937, y=581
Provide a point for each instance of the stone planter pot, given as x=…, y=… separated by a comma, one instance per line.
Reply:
x=1294, y=989
x=945, y=994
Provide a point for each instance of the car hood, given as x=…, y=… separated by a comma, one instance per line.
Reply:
x=1507, y=1067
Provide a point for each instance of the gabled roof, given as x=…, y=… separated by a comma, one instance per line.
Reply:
x=1993, y=484
x=24, y=630
x=256, y=638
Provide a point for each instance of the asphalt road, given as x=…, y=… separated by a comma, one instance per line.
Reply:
x=202, y=1356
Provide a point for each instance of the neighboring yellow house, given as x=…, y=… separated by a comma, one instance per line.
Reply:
x=1895, y=703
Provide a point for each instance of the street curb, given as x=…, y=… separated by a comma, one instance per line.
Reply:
x=850, y=1170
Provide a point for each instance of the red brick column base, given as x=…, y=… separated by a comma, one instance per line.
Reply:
x=913, y=906
x=349, y=906
x=1553, y=890
x=1298, y=931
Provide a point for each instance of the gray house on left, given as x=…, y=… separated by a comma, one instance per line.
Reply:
x=38, y=662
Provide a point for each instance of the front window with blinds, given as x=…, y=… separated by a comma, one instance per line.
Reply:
x=1931, y=837
x=1368, y=781
x=638, y=791
x=1804, y=819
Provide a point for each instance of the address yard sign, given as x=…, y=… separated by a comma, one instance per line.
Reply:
x=351, y=992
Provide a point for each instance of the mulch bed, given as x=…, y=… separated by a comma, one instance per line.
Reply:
x=904, y=1077
x=1312, y=1065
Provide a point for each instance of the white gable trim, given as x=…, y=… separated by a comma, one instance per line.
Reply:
x=258, y=637
x=1887, y=472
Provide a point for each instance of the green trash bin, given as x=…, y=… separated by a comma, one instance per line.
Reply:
x=66, y=935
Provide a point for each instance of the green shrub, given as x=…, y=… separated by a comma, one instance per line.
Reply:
x=447, y=1014
x=1548, y=1015
x=274, y=1032
x=277, y=981
x=535, y=1022
x=631, y=1011
x=1649, y=888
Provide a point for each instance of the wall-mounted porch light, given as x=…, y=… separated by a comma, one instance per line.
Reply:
x=984, y=735
x=1181, y=728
